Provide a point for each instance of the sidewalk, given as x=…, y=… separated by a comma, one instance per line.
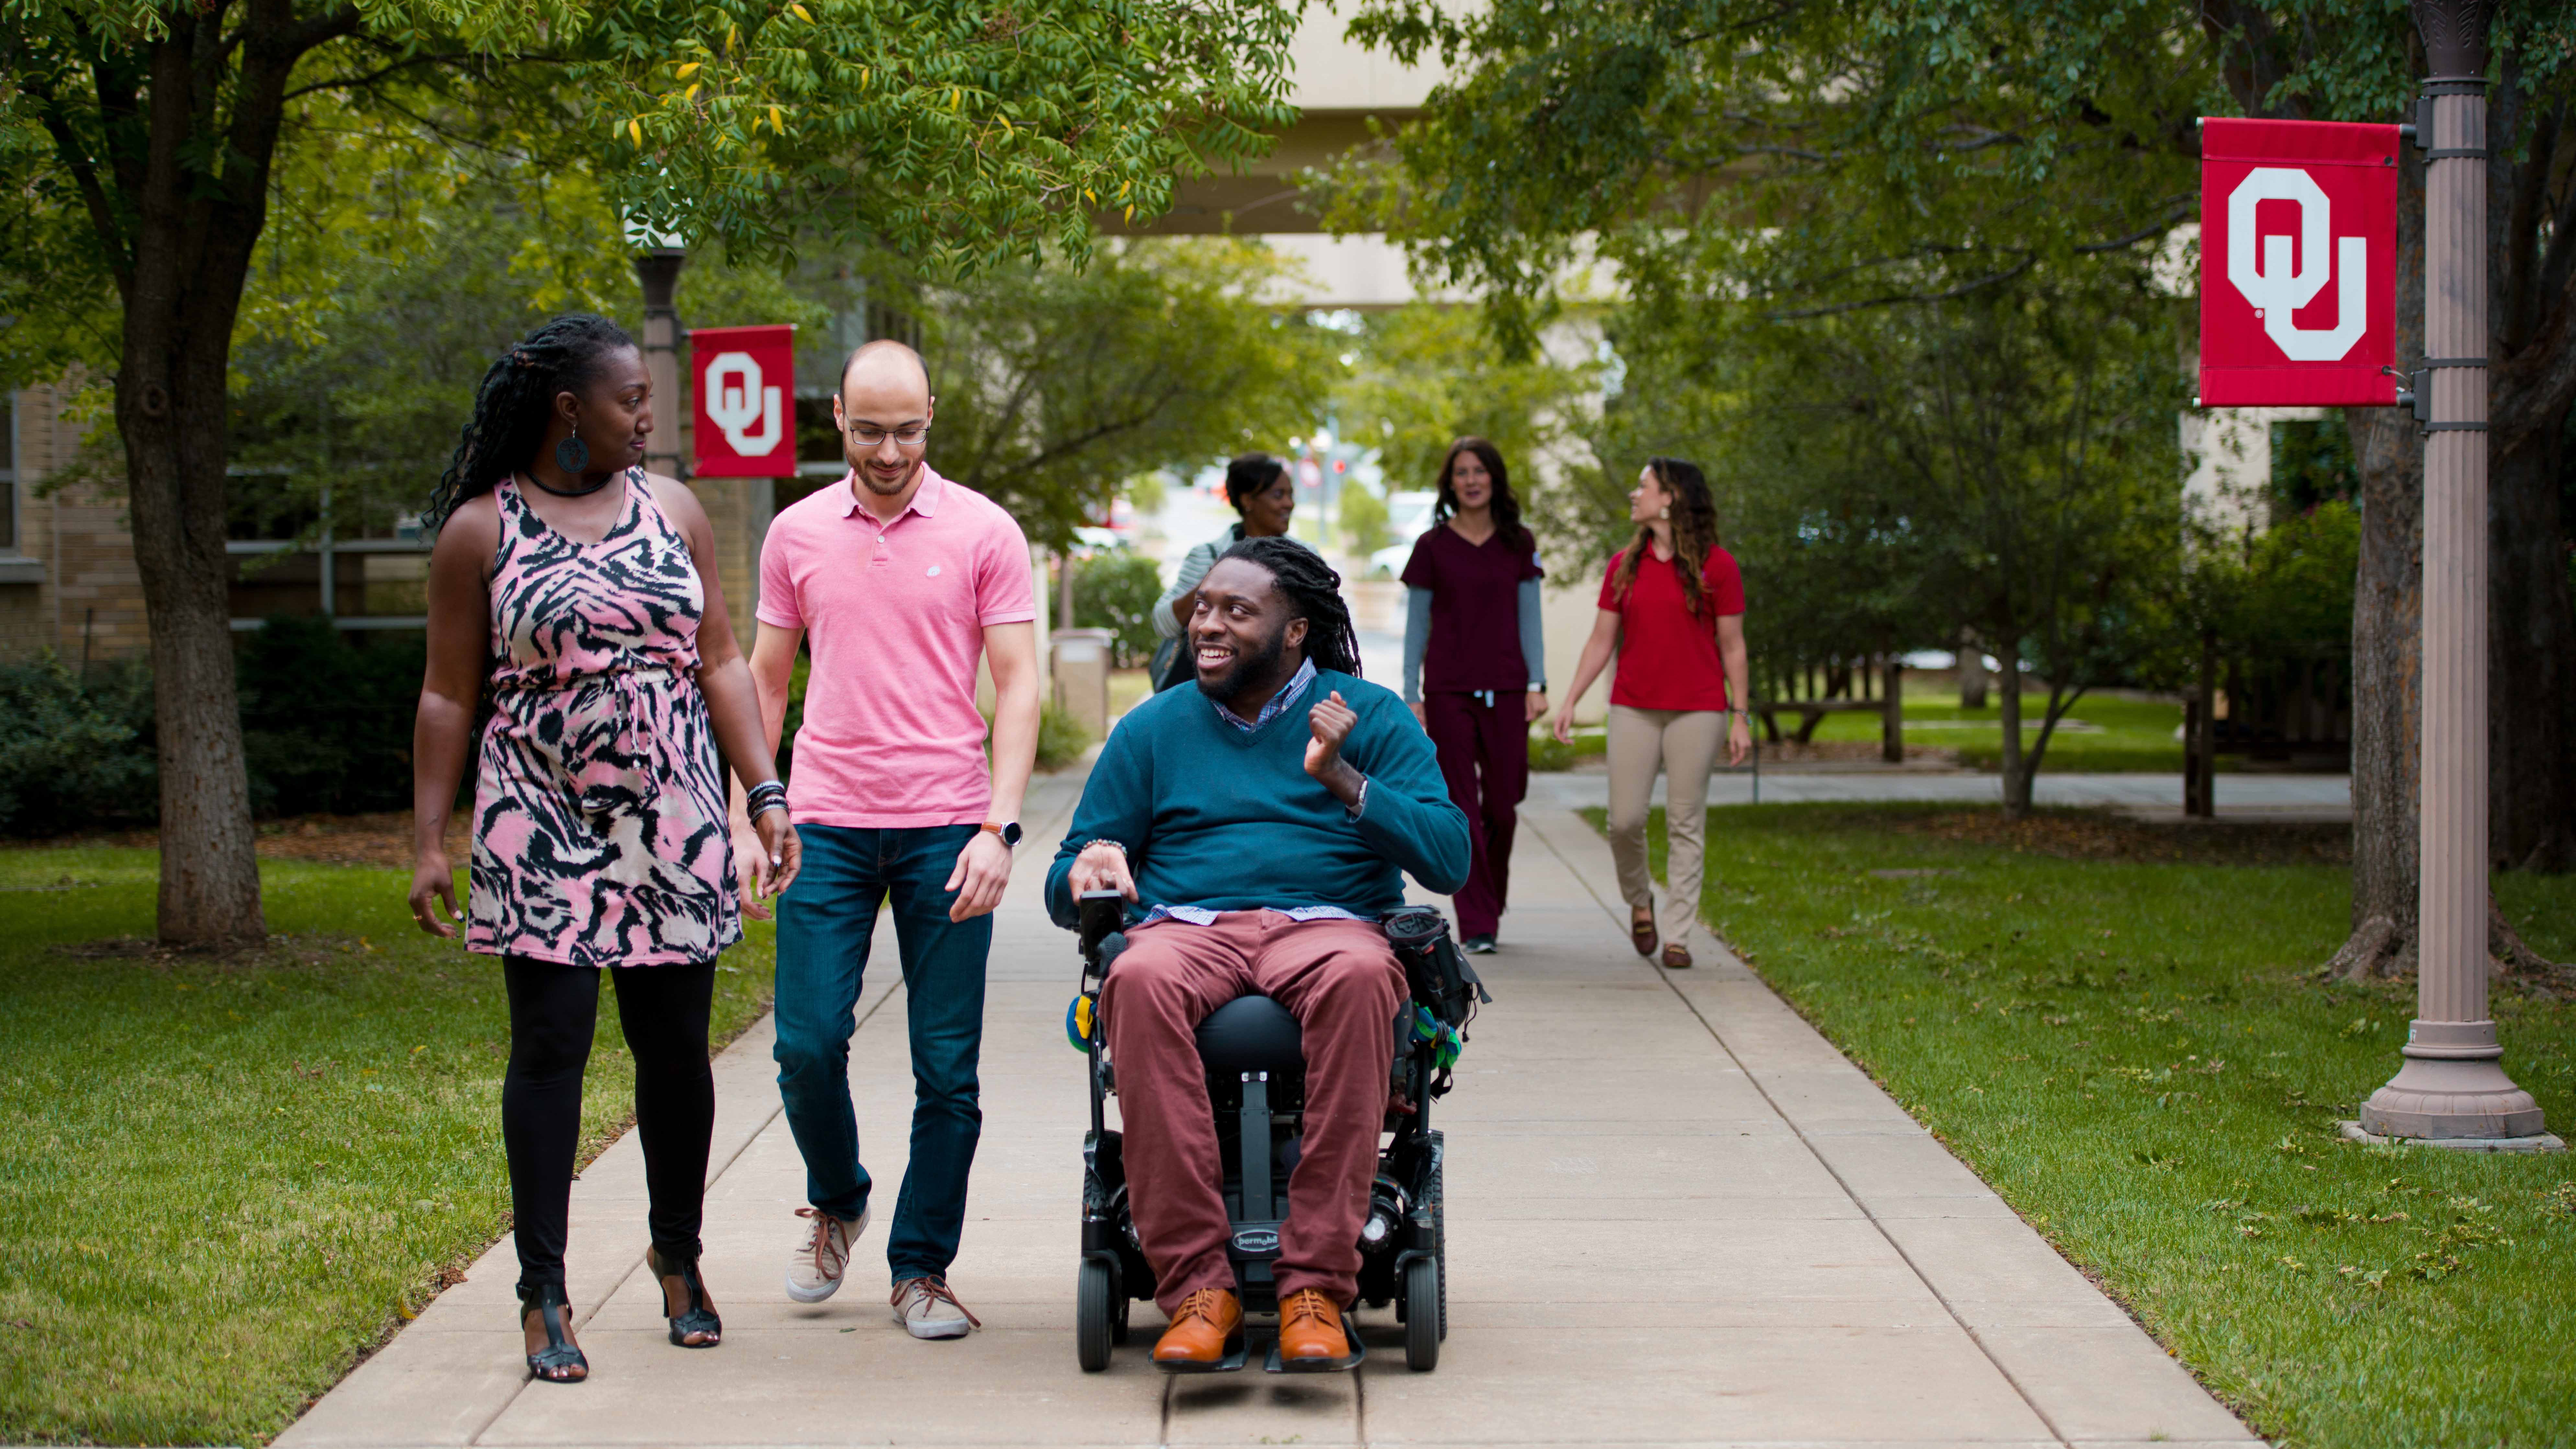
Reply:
x=1677, y=1217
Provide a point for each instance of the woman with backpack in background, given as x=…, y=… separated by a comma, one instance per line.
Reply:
x=1265, y=499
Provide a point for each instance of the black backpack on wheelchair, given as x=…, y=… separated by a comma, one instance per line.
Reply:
x=1255, y=1065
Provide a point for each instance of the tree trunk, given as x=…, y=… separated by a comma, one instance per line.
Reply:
x=2530, y=634
x=2387, y=639
x=2200, y=736
x=174, y=449
x=2016, y=769
x=2531, y=681
x=192, y=245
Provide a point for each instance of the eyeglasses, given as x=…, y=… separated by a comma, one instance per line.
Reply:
x=906, y=437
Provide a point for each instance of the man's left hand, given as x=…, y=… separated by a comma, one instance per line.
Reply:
x=983, y=872
x=1332, y=720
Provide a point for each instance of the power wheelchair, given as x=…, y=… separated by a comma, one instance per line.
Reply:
x=1256, y=1084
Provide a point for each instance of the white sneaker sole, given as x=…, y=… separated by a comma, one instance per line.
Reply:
x=935, y=1328
x=799, y=1294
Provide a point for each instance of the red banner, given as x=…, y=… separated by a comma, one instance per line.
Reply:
x=744, y=379
x=2298, y=263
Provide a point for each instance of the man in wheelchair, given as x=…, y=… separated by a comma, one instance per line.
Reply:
x=1258, y=826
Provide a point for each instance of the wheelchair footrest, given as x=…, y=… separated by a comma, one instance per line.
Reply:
x=1232, y=1362
x=1350, y=1333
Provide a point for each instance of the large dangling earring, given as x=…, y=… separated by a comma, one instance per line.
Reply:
x=572, y=455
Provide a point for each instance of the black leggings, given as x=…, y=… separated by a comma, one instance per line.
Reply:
x=554, y=1012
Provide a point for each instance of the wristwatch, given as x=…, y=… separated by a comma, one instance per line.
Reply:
x=1010, y=833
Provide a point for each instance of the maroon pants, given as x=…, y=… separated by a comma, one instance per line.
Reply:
x=1341, y=981
x=1484, y=755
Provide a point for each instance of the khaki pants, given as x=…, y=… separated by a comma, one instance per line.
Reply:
x=1683, y=744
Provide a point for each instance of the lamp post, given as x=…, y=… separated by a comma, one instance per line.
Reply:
x=2452, y=1088
x=657, y=267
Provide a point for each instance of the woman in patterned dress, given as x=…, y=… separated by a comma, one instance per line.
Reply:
x=583, y=592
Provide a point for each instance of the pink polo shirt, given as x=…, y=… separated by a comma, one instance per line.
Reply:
x=895, y=615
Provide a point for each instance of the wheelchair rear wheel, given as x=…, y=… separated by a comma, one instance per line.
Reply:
x=1096, y=1315
x=1422, y=1314
x=1440, y=1245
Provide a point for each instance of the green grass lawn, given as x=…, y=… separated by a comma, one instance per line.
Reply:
x=2120, y=1028
x=2128, y=734
x=222, y=1181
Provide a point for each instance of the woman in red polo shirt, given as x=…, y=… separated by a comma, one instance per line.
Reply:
x=1472, y=666
x=1672, y=607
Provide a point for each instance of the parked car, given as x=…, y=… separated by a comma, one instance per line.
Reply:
x=1407, y=515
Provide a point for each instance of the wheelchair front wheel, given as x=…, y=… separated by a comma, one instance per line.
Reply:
x=1422, y=1314
x=1095, y=1315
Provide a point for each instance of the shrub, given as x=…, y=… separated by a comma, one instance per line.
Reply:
x=75, y=753
x=1115, y=590
x=1363, y=517
x=1061, y=737
x=327, y=724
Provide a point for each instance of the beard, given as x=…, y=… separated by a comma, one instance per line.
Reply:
x=1260, y=664
x=868, y=479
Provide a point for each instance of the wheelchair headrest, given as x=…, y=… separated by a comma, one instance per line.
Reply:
x=1251, y=1034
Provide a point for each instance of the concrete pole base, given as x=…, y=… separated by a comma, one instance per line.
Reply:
x=2450, y=1096
x=2545, y=1142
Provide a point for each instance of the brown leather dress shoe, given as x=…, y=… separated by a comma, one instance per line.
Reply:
x=1208, y=1325
x=1310, y=1334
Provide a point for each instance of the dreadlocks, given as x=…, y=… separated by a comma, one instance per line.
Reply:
x=511, y=407
x=1314, y=592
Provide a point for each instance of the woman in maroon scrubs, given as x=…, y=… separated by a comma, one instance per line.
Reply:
x=1474, y=669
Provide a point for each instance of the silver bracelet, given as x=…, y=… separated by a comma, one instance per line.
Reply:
x=1118, y=846
x=765, y=806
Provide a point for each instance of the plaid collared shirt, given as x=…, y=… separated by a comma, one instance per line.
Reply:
x=1286, y=696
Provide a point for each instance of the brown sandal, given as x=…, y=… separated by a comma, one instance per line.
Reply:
x=1677, y=957
x=1641, y=933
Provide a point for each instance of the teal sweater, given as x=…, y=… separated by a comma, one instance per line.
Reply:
x=1229, y=820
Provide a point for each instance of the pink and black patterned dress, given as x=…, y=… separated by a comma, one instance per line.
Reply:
x=600, y=833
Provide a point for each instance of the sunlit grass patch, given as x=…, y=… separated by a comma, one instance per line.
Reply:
x=2122, y=1031
x=221, y=1181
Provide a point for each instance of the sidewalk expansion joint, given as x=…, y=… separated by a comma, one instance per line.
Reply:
x=1729, y=954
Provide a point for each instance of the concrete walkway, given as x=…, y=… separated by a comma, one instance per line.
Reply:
x=1677, y=1217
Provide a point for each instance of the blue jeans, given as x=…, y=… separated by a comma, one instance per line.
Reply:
x=824, y=922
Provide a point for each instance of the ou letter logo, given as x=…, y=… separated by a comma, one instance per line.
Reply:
x=737, y=403
x=2276, y=289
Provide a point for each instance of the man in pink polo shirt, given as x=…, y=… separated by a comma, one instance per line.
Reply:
x=900, y=580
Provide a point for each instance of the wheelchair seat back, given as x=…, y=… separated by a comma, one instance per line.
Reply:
x=1251, y=1034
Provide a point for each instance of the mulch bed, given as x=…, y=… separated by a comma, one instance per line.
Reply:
x=379, y=839
x=2106, y=835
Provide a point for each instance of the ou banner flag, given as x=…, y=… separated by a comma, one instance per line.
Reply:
x=2298, y=263
x=745, y=412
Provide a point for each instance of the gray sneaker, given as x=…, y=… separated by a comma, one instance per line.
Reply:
x=814, y=1271
x=926, y=1309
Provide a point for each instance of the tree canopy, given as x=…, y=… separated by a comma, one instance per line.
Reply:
x=149, y=142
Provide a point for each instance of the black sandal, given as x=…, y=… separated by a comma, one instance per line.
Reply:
x=698, y=1319
x=554, y=1362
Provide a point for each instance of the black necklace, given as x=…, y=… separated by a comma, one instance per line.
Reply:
x=540, y=485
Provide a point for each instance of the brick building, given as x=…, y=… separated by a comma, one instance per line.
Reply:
x=67, y=577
